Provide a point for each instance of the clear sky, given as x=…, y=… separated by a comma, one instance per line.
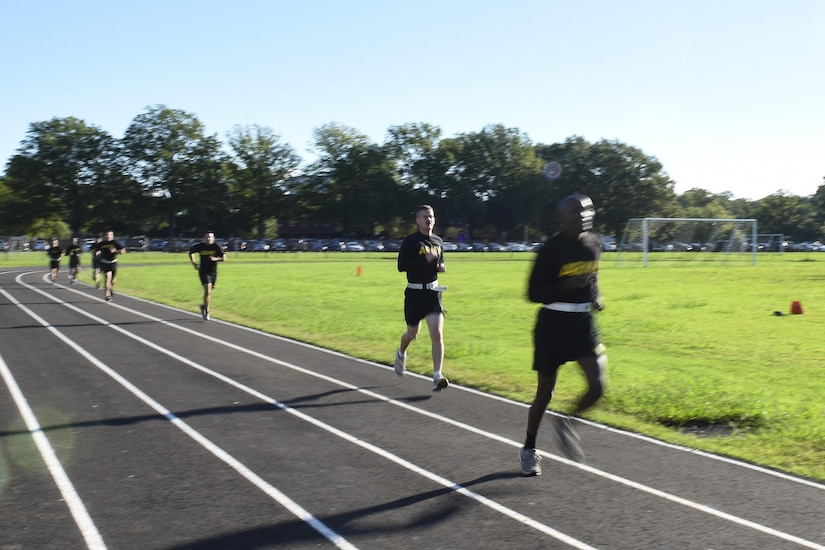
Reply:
x=729, y=95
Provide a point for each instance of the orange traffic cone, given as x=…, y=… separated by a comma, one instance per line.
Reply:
x=796, y=307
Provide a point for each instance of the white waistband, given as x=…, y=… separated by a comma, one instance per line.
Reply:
x=424, y=286
x=568, y=307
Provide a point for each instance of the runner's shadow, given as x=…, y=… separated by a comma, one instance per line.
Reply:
x=348, y=524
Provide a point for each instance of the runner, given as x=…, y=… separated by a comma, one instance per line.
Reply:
x=210, y=253
x=564, y=280
x=54, y=252
x=108, y=250
x=422, y=256
x=73, y=252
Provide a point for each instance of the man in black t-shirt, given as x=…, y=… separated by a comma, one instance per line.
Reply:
x=73, y=252
x=210, y=253
x=565, y=280
x=422, y=256
x=107, y=252
x=54, y=252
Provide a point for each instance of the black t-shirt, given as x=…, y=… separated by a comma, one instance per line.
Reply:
x=73, y=252
x=109, y=251
x=411, y=257
x=560, y=258
x=206, y=251
x=54, y=253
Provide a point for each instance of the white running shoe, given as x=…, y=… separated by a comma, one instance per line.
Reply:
x=439, y=382
x=400, y=362
x=530, y=460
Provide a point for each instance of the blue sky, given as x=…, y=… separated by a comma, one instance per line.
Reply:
x=726, y=94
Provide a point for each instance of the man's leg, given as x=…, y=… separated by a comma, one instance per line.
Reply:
x=409, y=337
x=544, y=393
x=207, y=295
x=108, y=284
x=400, y=363
x=529, y=459
x=594, y=367
x=435, y=324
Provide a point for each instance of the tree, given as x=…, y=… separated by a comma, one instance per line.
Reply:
x=489, y=178
x=699, y=203
x=167, y=152
x=818, y=205
x=259, y=169
x=56, y=172
x=623, y=182
x=353, y=180
x=787, y=214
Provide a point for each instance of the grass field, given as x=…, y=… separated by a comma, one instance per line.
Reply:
x=697, y=357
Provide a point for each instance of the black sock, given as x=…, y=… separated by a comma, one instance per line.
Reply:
x=530, y=441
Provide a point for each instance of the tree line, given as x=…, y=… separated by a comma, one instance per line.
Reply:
x=166, y=177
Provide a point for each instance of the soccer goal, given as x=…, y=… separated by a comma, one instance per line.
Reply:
x=688, y=239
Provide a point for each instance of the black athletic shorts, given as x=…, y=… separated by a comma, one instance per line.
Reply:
x=560, y=337
x=54, y=264
x=420, y=303
x=108, y=267
x=208, y=277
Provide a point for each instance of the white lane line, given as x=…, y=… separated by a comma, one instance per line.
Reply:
x=521, y=518
x=78, y=510
x=606, y=475
x=248, y=474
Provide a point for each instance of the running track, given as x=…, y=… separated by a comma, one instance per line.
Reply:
x=135, y=425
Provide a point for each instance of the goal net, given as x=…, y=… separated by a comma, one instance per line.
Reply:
x=688, y=239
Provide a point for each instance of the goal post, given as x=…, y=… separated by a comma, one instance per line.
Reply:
x=683, y=238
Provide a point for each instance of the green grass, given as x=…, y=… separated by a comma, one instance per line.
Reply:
x=696, y=356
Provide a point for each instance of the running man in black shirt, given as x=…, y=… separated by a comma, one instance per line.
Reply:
x=422, y=256
x=54, y=252
x=564, y=279
x=73, y=252
x=107, y=251
x=209, y=253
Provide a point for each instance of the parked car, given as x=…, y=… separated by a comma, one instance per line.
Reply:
x=318, y=246
x=137, y=244
x=155, y=245
x=353, y=246
x=392, y=246
x=177, y=245
x=296, y=245
x=278, y=245
x=450, y=246
x=517, y=247
x=479, y=247
x=259, y=246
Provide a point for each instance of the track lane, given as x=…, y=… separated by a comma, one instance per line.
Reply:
x=500, y=481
